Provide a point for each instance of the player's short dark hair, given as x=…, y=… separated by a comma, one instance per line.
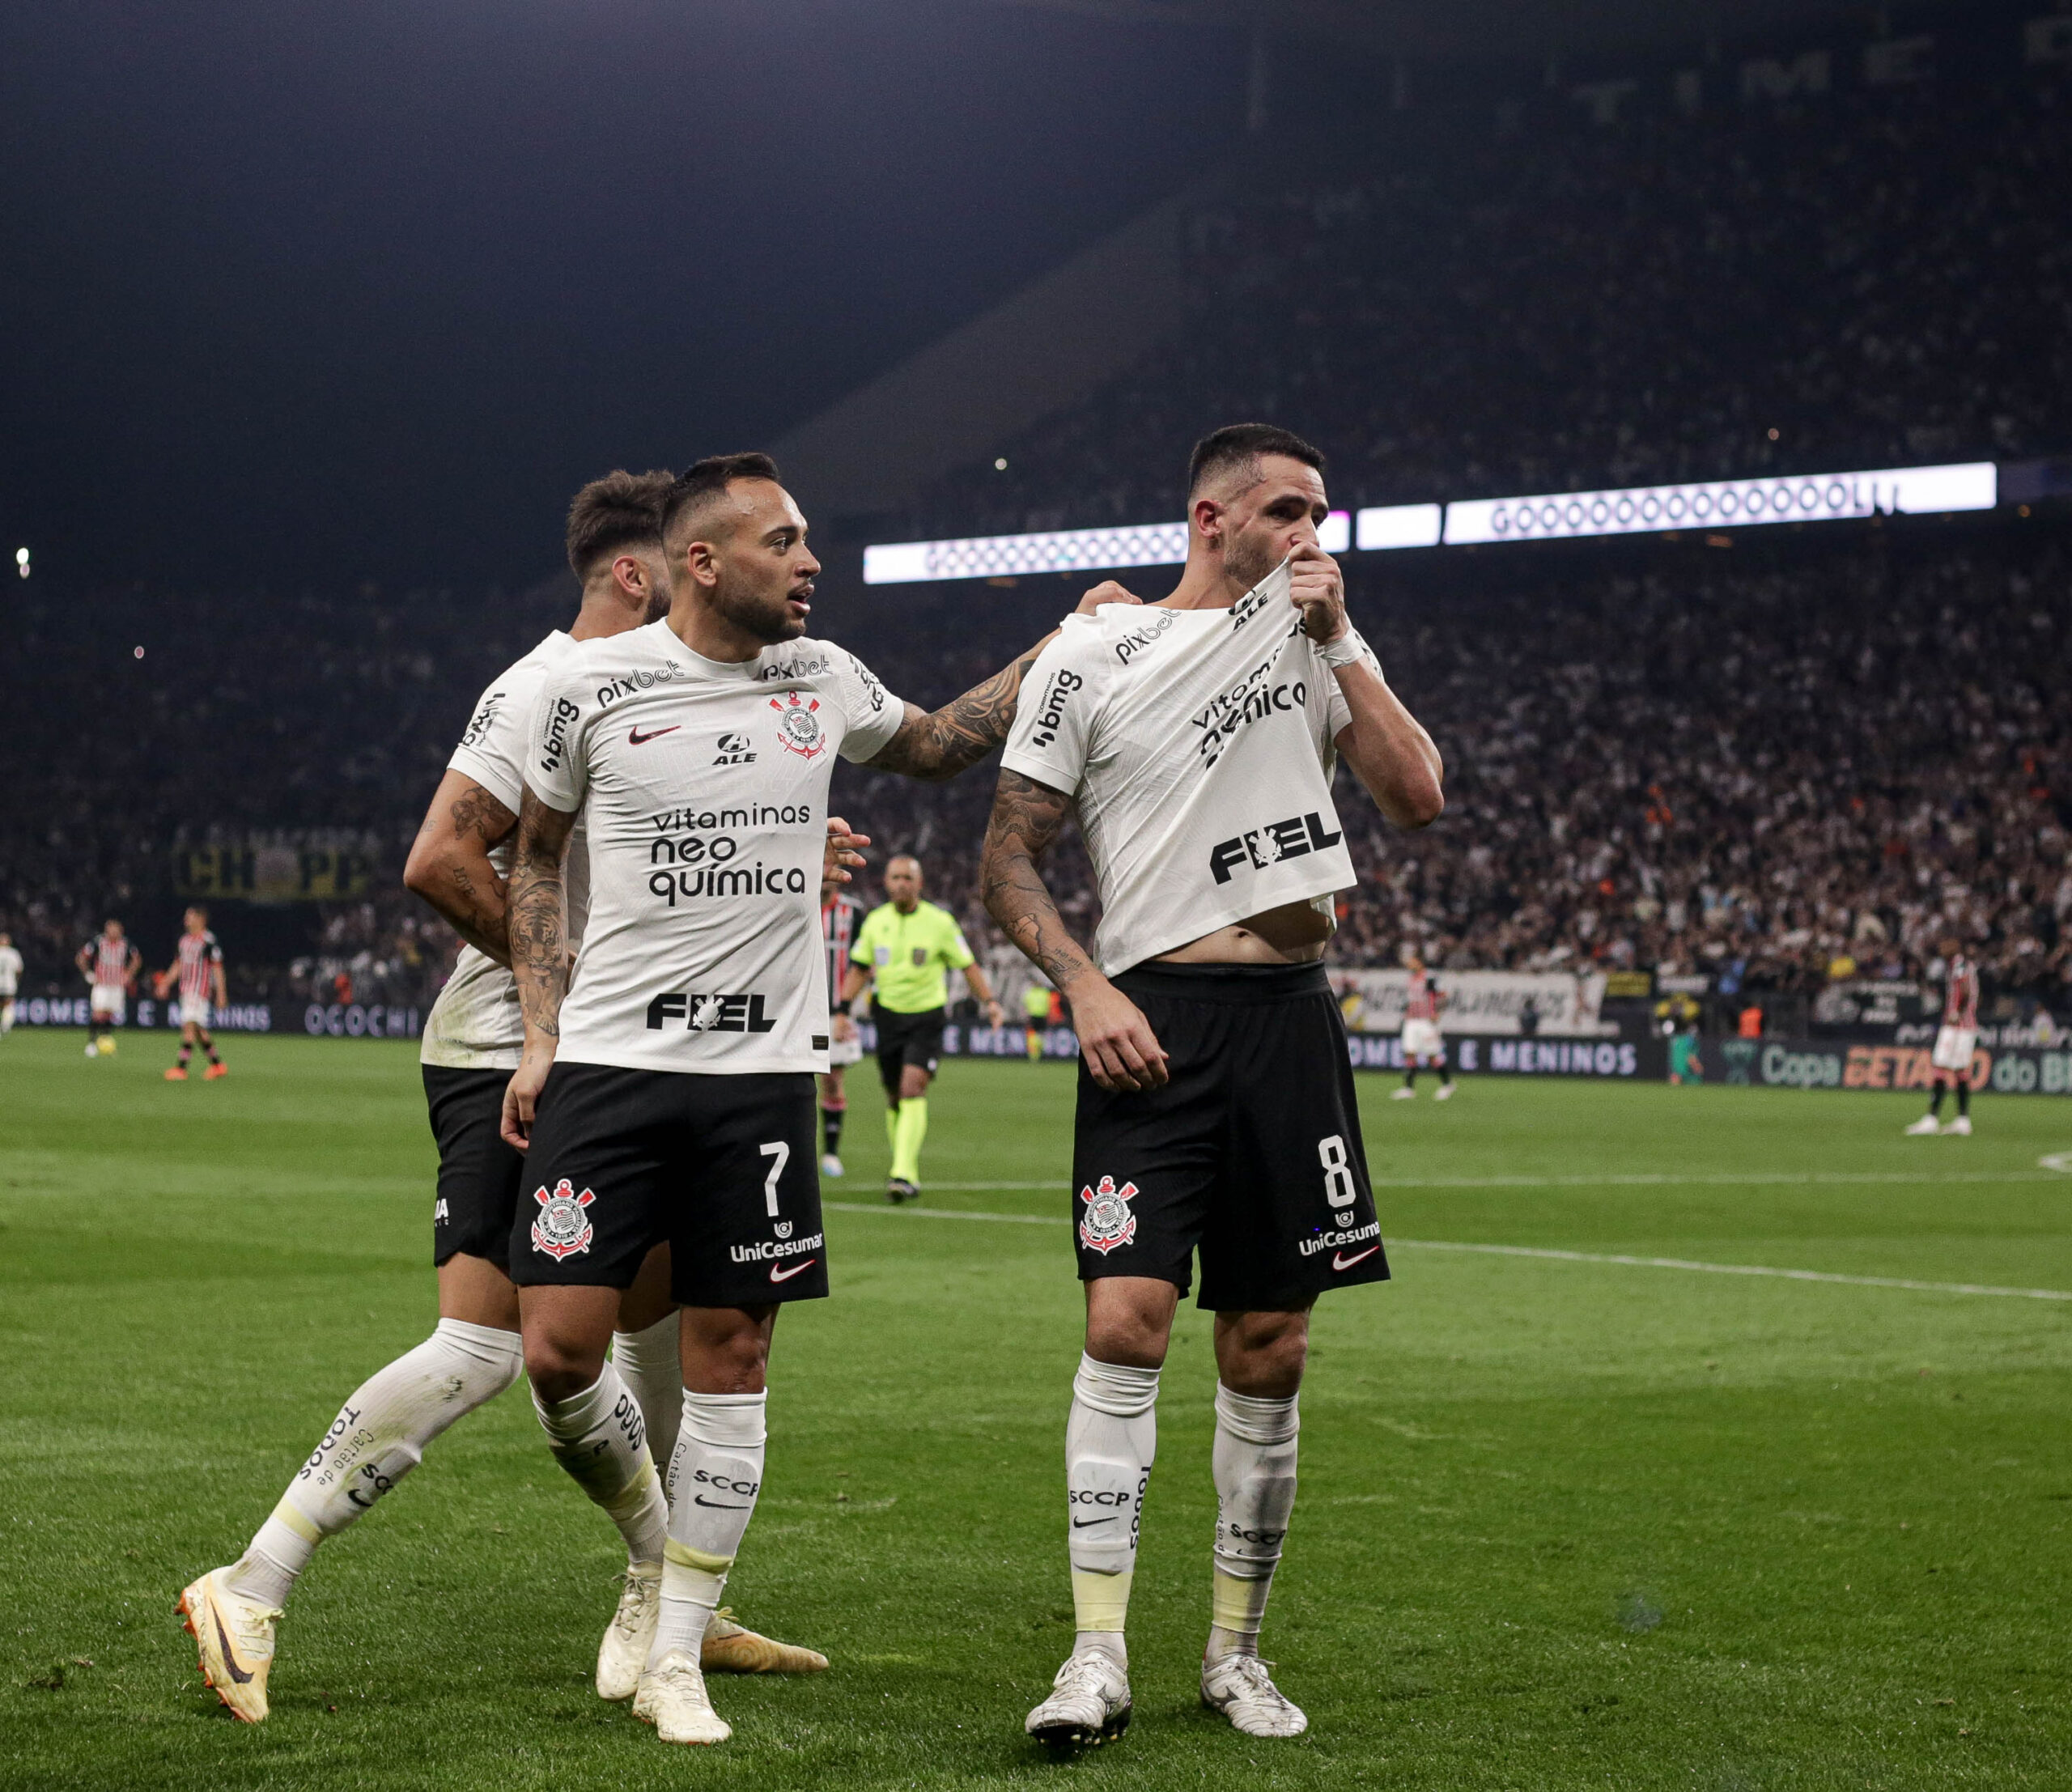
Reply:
x=621, y=510
x=1242, y=444
x=702, y=481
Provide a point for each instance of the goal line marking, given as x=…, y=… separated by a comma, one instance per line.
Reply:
x=1618, y=1258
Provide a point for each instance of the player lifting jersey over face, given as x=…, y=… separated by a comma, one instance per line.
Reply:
x=1197, y=738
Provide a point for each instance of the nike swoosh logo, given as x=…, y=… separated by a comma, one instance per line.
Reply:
x=635, y=738
x=1081, y=1524
x=1339, y=1260
x=718, y=1505
x=777, y=1275
x=230, y=1659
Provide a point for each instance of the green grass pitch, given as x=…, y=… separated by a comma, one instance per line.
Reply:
x=1563, y=1523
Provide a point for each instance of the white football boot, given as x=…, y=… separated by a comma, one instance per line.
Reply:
x=631, y=1632
x=1926, y=1128
x=1240, y=1687
x=1444, y=1092
x=1958, y=1128
x=235, y=1637
x=1089, y=1704
x=1402, y=1095
x=673, y=1698
x=831, y=1165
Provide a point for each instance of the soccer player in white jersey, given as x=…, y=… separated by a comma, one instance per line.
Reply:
x=199, y=965
x=109, y=963
x=1955, y=1041
x=1197, y=738
x=10, y=981
x=673, y=1079
x=1422, y=1041
x=458, y=863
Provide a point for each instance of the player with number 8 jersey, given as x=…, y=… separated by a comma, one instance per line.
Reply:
x=666, y=1086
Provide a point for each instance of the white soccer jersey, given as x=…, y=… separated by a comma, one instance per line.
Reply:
x=475, y=1023
x=704, y=789
x=10, y=970
x=1198, y=745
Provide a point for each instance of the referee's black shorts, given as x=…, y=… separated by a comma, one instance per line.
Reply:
x=1250, y=1154
x=904, y=1039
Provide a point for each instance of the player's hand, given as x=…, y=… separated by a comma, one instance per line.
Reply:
x=845, y=852
x=995, y=1015
x=521, y=1097
x=1317, y=588
x=845, y=1028
x=1107, y=592
x=1122, y=1052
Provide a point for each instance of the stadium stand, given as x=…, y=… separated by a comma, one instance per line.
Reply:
x=1797, y=760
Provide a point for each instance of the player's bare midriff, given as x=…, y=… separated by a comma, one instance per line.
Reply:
x=1295, y=933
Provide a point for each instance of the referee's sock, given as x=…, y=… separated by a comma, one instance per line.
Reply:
x=911, y=1128
x=1109, y=1441
x=600, y=1437
x=380, y=1435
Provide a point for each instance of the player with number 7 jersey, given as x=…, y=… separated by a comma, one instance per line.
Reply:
x=666, y=1088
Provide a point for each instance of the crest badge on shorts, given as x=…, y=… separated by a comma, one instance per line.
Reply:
x=1107, y=1223
x=562, y=1228
x=798, y=728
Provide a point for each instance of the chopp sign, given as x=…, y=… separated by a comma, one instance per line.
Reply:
x=1721, y=503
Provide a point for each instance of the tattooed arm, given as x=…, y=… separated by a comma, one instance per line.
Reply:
x=449, y=864
x=1121, y=1050
x=539, y=952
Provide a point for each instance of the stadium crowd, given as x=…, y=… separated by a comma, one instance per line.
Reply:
x=1796, y=761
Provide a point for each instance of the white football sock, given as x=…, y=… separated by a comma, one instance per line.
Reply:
x=1255, y=1466
x=600, y=1437
x=1109, y=1441
x=650, y=1364
x=378, y=1437
x=714, y=1478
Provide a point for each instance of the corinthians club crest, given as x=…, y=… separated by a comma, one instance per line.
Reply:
x=562, y=1228
x=798, y=728
x=1107, y=1222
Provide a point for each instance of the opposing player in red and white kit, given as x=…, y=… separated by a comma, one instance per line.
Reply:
x=1422, y=1041
x=1955, y=1040
x=458, y=863
x=198, y=965
x=672, y=1077
x=1197, y=739
x=109, y=963
x=840, y=913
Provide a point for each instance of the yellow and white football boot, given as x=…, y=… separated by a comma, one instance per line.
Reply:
x=235, y=1637
x=673, y=1698
x=731, y=1648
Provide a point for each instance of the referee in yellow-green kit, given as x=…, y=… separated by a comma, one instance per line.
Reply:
x=907, y=948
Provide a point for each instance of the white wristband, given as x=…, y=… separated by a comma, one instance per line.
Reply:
x=1347, y=649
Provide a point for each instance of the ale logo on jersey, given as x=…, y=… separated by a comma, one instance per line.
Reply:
x=1108, y=1224
x=798, y=726
x=562, y=1228
x=734, y=750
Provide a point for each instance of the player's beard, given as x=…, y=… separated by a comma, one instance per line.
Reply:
x=1247, y=559
x=765, y=619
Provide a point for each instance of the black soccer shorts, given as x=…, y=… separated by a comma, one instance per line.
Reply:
x=1251, y=1154
x=478, y=1173
x=721, y=1167
x=904, y=1039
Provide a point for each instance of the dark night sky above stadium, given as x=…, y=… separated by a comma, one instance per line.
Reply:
x=299, y=295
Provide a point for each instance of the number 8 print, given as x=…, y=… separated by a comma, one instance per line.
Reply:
x=1338, y=1189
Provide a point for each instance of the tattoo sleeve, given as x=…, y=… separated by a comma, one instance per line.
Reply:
x=1025, y=820
x=538, y=925
x=450, y=864
x=939, y=745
